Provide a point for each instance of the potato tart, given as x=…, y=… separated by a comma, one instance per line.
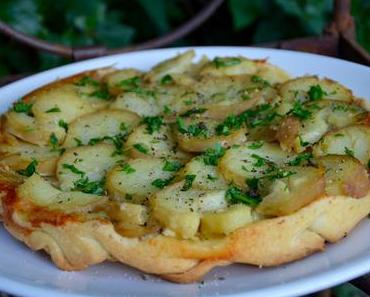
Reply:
x=188, y=166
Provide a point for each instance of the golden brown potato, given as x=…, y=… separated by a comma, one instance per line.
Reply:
x=301, y=186
x=344, y=175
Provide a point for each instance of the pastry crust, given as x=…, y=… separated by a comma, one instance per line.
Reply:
x=75, y=245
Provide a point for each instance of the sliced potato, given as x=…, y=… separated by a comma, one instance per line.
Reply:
x=271, y=73
x=344, y=175
x=251, y=160
x=208, y=177
x=226, y=221
x=91, y=162
x=178, y=64
x=291, y=193
x=311, y=87
x=221, y=66
x=133, y=180
x=295, y=134
x=108, y=124
x=41, y=193
x=206, y=137
x=352, y=140
x=179, y=210
x=114, y=79
x=129, y=213
x=141, y=104
x=160, y=144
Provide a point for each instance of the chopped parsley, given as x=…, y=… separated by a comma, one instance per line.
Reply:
x=172, y=166
x=260, y=161
x=22, y=107
x=161, y=183
x=54, y=142
x=252, y=183
x=30, y=169
x=123, y=127
x=130, y=83
x=73, y=169
x=78, y=141
x=195, y=110
x=167, y=79
x=117, y=141
x=256, y=145
x=188, y=102
x=166, y=110
x=258, y=79
x=234, y=195
x=302, y=142
x=188, y=182
x=368, y=164
x=232, y=122
x=197, y=129
x=278, y=173
x=91, y=187
x=349, y=152
x=225, y=62
x=316, y=93
x=102, y=94
x=63, y=124
x=54, y=109
x=300, y=112
x=153, y=124
x=212, y=155
x=127, y=168
x=87, y=81
x=142, y=148
x=303, y=157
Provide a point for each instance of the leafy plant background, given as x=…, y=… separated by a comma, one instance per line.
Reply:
x=118, y=23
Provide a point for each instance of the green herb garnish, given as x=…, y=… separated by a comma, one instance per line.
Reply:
x=300, y=112
x=167, y=79
x=349, y=152
x=198, y=129
x=212, y=155
x=260, y=161
x=90, y=187
x=172, y=166
x=234, y=195
x=142, y=148
x=127, y=168
x=300, y=158
x=22, y=107
x=130, y=83
x=30, y=169
x=87, y=81
x=63, y=124
x=195, y=110
x=153, y=124
x=188, y=182
x=225, y=62
x=73, y=169
x=161, y=183
x=232, y=122
x=54, y=109
x=316, y=93
x=256, y=145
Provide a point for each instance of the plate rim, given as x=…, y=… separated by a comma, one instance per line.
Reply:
x=344, y=272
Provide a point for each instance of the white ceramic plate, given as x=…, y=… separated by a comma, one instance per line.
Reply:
x=26, y=273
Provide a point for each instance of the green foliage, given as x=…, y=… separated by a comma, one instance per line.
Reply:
x=116, y=23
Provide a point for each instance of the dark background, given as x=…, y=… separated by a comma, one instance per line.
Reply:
x=117, y=23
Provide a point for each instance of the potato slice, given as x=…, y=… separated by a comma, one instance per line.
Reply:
x=226, y=221
x=179, y=209
x=221, y=66
x=312, y=88
x=141, y=104
x=41, y=193
x=91, y=162
x=313, y=120
x=129, y=213
x=200, y=134
x=159, y=144
x=119, y=80
x=133, y=180
x=109, y=124
x=208, y=177
x=251, y=160
x=177, y=64
x=344, y=175
x=291, y=193
x=352, y=140
x=17, y=155
x=271, y=73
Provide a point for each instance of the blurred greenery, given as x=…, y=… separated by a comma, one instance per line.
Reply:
x=117, y=23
